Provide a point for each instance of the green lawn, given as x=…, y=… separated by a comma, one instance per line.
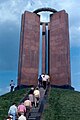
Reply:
x=62, y=105
x=7, y=99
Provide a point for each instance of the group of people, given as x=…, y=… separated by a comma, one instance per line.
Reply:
x=22, y=111
x=44, y=80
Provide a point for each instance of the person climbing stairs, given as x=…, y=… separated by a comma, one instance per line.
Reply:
x=35, y=113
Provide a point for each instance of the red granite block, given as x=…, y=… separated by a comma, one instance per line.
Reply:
x=59, y=53
x=30, y=56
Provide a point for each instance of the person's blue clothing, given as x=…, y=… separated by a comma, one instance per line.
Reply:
x=13, y=111
x=40, y=78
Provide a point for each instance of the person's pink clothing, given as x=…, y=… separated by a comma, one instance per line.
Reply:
x=21, y=108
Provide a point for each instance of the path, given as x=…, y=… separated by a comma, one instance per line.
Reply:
x=35, y=113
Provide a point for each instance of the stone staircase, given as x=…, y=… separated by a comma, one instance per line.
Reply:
x=35, y=113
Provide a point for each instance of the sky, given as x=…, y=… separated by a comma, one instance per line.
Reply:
x=10, y=25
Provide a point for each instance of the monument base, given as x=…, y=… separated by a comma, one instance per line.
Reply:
x=23, y=86
x=63, y=87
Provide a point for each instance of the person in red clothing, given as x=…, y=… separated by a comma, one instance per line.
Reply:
x=22, y=109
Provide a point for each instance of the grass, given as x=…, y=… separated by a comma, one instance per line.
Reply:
x=62, y=105
x=7, y=100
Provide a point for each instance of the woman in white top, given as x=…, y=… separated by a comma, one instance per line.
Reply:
x=21, y=117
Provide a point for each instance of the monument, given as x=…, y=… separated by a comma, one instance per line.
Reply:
x=55, y=48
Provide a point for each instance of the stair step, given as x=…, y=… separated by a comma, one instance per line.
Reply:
x=34, y=114
x=35, y=109
x=31, y=118
x=34, y=118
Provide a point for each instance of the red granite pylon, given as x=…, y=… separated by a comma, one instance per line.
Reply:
x=59, y=49
x=29, y=49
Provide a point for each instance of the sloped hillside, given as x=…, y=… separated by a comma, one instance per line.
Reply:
x=62, y=105
x=7, y=99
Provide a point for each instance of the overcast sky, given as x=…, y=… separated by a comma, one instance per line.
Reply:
x=10, y=22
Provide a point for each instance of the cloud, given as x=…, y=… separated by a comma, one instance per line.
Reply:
x=79, y=28
x=0, y=89
x=11, y=10
x=72, y=8
x=7, y=89
x=4, y=91
x=9, y=46
x=74, y=36
x=7, y=12
x=2, y=1
x=78, y=73
x=10, y=20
